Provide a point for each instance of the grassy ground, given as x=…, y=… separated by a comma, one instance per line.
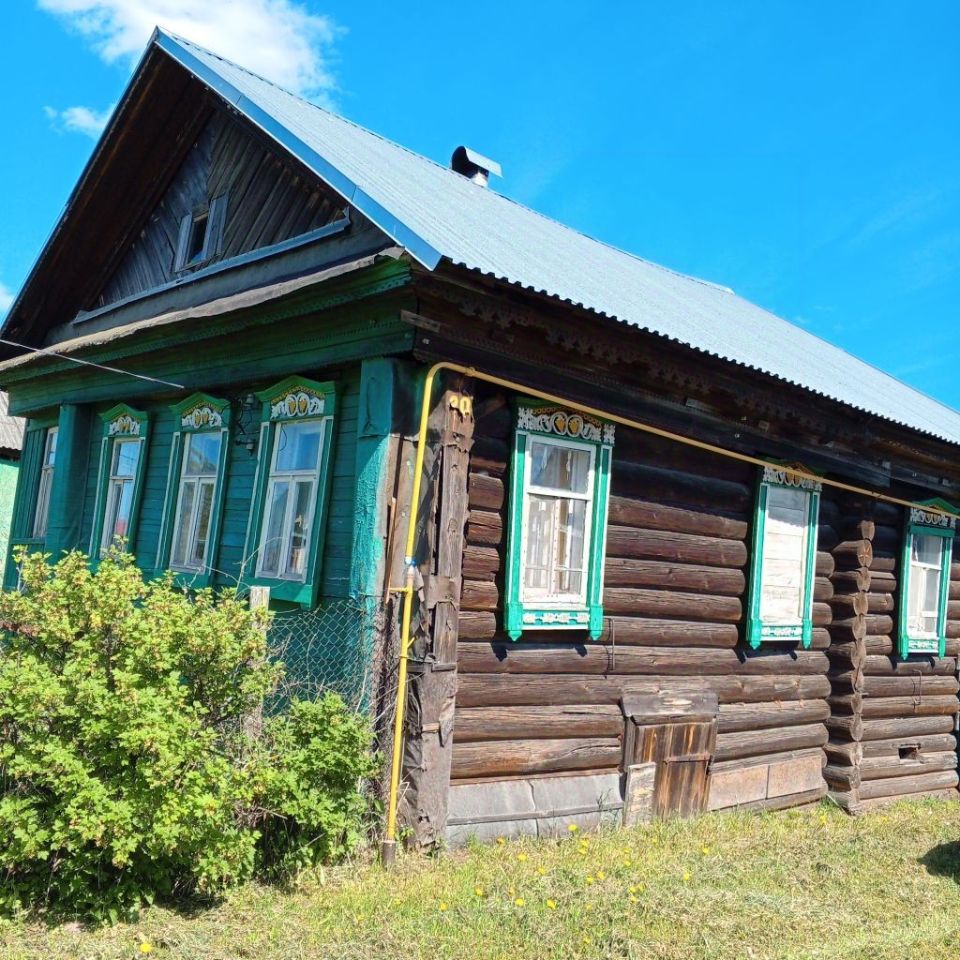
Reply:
x=805, y=884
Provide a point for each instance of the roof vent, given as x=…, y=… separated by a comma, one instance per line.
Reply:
x=474, y=166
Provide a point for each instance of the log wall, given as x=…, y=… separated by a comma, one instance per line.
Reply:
x=892, y=720
x=674, y=604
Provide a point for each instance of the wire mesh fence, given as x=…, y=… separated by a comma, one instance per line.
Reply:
x=332, y=648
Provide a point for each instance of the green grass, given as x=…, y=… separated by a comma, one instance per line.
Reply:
x=811, y=884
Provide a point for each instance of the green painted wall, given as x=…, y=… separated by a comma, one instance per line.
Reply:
x=8, y=488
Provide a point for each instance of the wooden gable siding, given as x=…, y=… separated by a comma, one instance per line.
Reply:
x=882, y=704
x=268, y=200
x=675, y=594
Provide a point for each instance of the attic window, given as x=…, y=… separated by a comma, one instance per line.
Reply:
x=200, y=237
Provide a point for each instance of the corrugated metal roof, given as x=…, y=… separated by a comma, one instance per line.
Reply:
x=436, y=213
x=11, y=428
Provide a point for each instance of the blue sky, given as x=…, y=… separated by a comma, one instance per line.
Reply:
x=804, y=154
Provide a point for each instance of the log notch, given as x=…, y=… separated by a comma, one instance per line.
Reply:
x=433, y=668
x=892, y=721
x=678, y=540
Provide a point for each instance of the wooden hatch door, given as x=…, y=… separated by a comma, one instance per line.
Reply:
x=673, y=739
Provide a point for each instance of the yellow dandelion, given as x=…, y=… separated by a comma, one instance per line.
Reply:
x=551, y=904
x=589, y=906
x=572, y=827
x=590, y=880
x=634, y=899
x=686, y=876
x=541, y=871
x=501, y=840
x=521, y=857
x=146, y=947
x=641, y=887
x=628, y=863
x=519, y=901
x=601, y=875
x=443, y=907
x=634, y=889
x=584, y=939
x=478, y=891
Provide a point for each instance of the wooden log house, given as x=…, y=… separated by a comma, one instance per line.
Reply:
x=672, y=553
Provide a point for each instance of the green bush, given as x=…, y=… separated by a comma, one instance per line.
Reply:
x=134, y=763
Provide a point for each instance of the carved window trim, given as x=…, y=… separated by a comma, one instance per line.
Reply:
x=926, y=523
x=557, y=426
x=197, y=414
x=799, y=630
x=294, y=399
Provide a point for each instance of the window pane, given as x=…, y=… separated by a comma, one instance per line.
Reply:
x=298, y=445
x=784, y=555
x=931, y=592
x=202, y=529
x=300, y=529
x=50, y=449
x=121, y=526
x=202, y=456
x=562, y=468
x=927, y=549
x=540, y=522
x=272, y=545
x=126, y=454
x=184, y=516
x=116, y=520
x=571, y=527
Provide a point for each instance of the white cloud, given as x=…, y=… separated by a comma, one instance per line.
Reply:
x=6, y=298
x=83, y=120
x=279, y=39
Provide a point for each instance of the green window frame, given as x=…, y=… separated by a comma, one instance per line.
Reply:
x=123, y=461
x=542, y=430
x=941, y=528
x=778, y=486
x=289, y=408
x=186, y=522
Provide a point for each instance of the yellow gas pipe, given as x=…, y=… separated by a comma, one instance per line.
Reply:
x=388, y=845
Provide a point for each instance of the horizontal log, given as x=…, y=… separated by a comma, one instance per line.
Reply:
x=820, y=638
x=878, y=624
x=846, y=681
x=596, y=658
x=856, y=553
x=850, y=528
x=821, y=614
x=520, y=757
x=825, y=564
x=887, y=541
x=643, y=632
x=760, y=716
x=485, y=492
x=845, y=753
x=675, y=547
x=479, y=595
x=849, y=605
x=827, y=537
x=633, y=479
x=480, y=563
x=881, y=582
x=905, y=727
x=880, y=768
x=846, y=704
x=671, y=603
x=477, y=625
x=852, y=581
x=647, y=515
x=842, y=776
x=484, y=527
x=476, y=690
x=927, y=743
x=822, y=589
x=847, y=656
x=884, y=707
x=879, y=666
x=630, y=572
x=474, y=724
x=883, y=564
x=878, y=646
x=489, y=455
x=903, y=686
x=752, y=743
x=784, y=756
x=843, y=630
x=880, y=603
x=904, y=786
x=847, y=727
x=946, y=793
x=953, y=591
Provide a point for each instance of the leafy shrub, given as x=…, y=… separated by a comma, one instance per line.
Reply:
x=133, y=763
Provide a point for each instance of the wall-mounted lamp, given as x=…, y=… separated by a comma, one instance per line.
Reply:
x=246, y=421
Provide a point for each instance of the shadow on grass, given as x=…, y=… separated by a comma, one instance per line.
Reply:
x=943, y=860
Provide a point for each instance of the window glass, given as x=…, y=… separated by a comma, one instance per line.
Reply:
x=784, y=561
x=198, y=481
x=291, y=500
x=119, y=503
x=556, y=522
x=126, y=455
x=924, y=595
x=42, y=513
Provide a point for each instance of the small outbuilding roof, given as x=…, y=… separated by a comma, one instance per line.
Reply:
x=11, y=428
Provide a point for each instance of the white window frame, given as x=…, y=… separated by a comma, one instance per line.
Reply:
x=200, y=481
x=107, y=536
x=573, y=600
x=291, y=477
x=41, y=516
